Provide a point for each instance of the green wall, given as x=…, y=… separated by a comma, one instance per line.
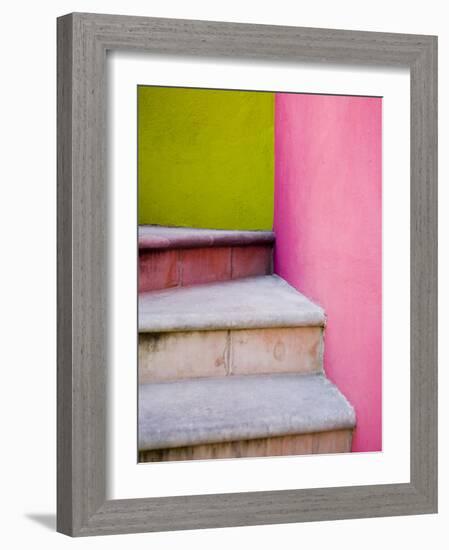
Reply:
x=205, y=158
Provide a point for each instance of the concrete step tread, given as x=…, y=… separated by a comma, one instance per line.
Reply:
x=159, y=237
x=234, y=408
x=254, y=302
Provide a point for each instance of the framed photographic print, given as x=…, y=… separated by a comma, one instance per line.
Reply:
x=247, y=282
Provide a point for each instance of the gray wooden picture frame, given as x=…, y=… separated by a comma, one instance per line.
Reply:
x=83, y=40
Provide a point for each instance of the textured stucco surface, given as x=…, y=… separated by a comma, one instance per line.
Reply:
x=328, y=225
x=210, y=410
x=205, y=158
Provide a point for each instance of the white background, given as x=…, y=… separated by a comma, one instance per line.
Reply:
x=27, y=218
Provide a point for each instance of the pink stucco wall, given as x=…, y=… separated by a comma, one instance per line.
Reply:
x=327, y=219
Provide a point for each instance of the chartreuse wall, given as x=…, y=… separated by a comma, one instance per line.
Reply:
x=205, y=158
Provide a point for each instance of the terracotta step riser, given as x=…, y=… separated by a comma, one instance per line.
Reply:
x=168, y=268
x=335, y=441
x=197, y=354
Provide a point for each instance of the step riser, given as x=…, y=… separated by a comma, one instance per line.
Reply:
x=336, y=441
x=159, y=269
x=198, y=354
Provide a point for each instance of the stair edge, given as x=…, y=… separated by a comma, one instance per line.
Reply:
x=345, y=420
x=186, y=237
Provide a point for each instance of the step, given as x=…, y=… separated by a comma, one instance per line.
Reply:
x=207, y=411
x=175, y=256
x=251, y=326
x=331, y=442
x=255, y=302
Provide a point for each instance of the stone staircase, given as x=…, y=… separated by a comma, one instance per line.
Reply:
x=230, y=355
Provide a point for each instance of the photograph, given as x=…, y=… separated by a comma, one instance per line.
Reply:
x=222, y=225
x=259, y=273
